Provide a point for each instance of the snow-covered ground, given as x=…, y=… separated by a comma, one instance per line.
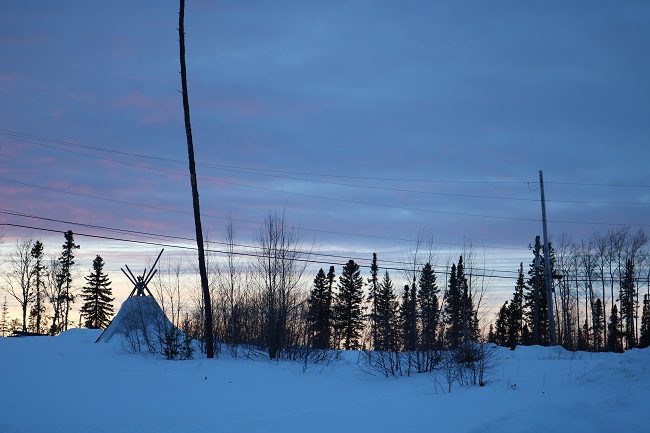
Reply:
x=69, y=384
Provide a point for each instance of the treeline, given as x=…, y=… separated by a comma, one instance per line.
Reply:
x=36, y=282
x=597, y=302
x=261, y=303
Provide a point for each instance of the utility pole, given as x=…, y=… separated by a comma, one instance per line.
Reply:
x=207, y=304
x=538, y=247
x=547, y=266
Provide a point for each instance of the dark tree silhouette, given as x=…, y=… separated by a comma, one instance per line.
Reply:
x=97, y=308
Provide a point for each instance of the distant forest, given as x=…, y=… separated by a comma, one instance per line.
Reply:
x=265, y=303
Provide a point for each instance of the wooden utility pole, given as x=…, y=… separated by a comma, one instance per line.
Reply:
x=547, y=266
x=207, y=305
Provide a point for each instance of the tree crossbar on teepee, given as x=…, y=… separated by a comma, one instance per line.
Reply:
x=140, y=289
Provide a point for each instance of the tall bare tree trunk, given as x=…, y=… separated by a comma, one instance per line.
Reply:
x=209, y=344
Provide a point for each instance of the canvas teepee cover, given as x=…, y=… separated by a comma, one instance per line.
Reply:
x=140, y=316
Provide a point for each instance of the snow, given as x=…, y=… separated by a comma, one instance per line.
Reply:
x=70, y=384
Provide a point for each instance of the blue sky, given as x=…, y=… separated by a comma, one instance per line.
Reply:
x=365, y=121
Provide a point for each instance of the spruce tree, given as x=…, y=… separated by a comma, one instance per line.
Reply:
x=516, y=311
x=598, y=325
x=628, y=304
x=405, y=319
x=64, y=281
x=37, y=312
x=387, y=316
x=373, y=284
x=4, y=318
x=453, y=307
x=535, y=297
x=501, y=326
x=318, y=314
x=613, y=327
x=97, y=308
x=428, y=307
x=644, y=338
x=348, y=309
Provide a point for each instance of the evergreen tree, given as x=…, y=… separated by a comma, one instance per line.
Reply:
x=453, y=310
x=97, y=308
x=318, y=315
x=4, y=318
x=348, y=309
x=407, y=320
x=501, y=327
x=598, y=325
x=613, y=327
x=37, y=311
x=429, y=310
x=64, y=281
x=628, y=304
x=516, y=311
x=535, y=297
x=584, y=337
x=644, y=338
x=386, y=316
x=373, y=283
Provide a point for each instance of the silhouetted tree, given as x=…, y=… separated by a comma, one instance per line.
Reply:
x=644, y=338
x=38, y=279
x=613, y=341
x=429, y=309
x=628, y=304
x=97, y=308
x=516, y=311
x=348, y=309
x=387, y=316
x=318, y=314
x=64, y=278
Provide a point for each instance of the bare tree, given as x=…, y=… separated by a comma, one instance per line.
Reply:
x=18, y=278
x=279, y=269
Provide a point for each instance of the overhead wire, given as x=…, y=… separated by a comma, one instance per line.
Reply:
x=228, y=244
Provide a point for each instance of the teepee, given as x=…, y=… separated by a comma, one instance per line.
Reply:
x=140, y=318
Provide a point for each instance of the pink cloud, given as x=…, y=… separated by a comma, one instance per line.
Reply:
x=157, y=110
x=144, y=225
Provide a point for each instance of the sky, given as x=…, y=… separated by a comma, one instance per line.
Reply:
x=365, y=122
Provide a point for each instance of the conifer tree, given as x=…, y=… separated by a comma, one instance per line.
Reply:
x=613, y=328
x=628, y=304
x=453, y=304
x=429, y=309
x=4, y=318
x=644, y=338
x=535, y=297
x=516, y=311
x=97, y=308
x=387, y=316
x=38, y=274
x=501, y=325
x=406, y=320
x=64, y=281
x=318, y=314
x=348, y=309
x=373, y=283
x=598, y=325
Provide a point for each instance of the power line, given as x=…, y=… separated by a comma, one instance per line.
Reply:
x=266, y=172
x=224, y=218
x=253, y=247
x=238, y=253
